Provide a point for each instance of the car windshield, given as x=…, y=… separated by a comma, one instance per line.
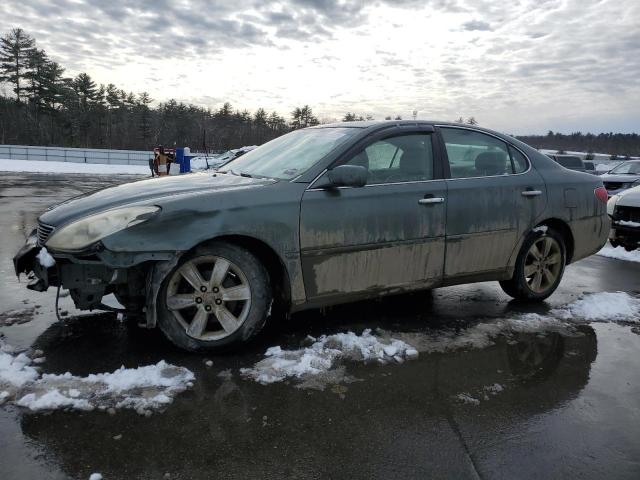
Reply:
x=290, y=155
x=627, y=168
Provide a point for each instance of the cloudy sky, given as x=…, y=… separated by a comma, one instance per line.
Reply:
x=523, y=66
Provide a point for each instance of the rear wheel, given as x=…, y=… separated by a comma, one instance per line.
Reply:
x=216, y=297
x=539, y=267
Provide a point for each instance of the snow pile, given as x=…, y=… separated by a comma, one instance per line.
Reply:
x=620, y=253
x=15, y=370
x=142, y=389
x=325, y=353
x=45, y=258
x=603, y=306
x=323, y=357
x=38, y=166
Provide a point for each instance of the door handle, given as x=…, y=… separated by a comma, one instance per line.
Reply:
x=532, y=193
x=430, y=200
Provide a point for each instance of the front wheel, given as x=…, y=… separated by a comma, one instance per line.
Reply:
x=539, y=267
x=217, y=296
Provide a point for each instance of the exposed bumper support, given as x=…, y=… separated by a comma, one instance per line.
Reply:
x=156, y=274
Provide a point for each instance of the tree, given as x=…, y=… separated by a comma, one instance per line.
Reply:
x=15, y=49
x=303, y=117
x=472, y=121
x=144, y=117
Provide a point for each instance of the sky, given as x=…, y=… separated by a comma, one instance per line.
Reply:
x=523, y=66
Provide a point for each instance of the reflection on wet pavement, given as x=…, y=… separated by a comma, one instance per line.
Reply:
x=529, y=404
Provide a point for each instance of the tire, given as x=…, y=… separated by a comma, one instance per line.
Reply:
x=536, y=275
x=231, y=309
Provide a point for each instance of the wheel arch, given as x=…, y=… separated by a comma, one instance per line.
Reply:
x=278, y=274
x=563, y=229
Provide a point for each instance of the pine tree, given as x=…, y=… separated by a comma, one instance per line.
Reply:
x=15, y=48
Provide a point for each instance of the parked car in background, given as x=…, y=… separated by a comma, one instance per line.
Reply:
x=571, y=162
x=624, y=176
x=317, y=217
x=624, y=210
x=589, y=167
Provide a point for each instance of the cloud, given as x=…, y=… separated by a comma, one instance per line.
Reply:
x=473, y=25
x=521, y=64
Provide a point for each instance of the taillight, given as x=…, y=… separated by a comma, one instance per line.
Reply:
x=601, y=194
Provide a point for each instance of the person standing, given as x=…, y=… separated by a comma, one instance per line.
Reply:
x=162, y=162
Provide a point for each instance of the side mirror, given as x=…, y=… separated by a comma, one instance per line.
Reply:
x=347, y=176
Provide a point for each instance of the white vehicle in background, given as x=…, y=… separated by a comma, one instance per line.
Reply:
x=624, y=210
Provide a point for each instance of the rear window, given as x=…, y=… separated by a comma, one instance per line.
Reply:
x=570, y=162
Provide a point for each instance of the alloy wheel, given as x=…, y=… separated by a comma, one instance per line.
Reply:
x=543, y=264
x=209, y=297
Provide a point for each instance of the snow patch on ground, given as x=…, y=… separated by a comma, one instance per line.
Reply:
x=15, y=369
x=320, y=363
x=603, y=306
x=325, y=353
x=620, y=253
x=45, y=258
x=142, y=389
x=38, y=166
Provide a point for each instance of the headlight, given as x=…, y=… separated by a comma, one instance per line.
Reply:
x=88, y=230
x=611, y=205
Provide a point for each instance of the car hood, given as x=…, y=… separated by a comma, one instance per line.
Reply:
x=630, y=198
x=612, y=177
x=146, y=191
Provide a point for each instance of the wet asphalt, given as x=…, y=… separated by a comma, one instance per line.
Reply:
x=572, y=410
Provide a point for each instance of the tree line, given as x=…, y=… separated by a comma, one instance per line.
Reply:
x=49, y=108
x=618, y=145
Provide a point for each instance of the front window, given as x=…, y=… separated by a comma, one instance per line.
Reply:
x=403, y=158
x=627, y=168
x=290, y=155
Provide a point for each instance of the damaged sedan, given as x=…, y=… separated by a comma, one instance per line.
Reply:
x=317, y=217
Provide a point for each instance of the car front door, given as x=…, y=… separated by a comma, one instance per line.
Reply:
x=493, y=198
x=386, y=235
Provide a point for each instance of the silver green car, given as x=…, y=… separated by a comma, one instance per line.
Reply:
x=317, y=217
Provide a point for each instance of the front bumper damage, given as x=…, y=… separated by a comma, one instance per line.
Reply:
x=626, y=236
x=91, y=275
x=87, y=281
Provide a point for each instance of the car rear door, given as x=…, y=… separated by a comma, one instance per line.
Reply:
x=386, y=235
x=493, y=197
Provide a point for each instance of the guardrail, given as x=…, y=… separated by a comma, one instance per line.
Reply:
x=76, y=155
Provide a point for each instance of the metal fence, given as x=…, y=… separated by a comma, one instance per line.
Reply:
x=76, y=155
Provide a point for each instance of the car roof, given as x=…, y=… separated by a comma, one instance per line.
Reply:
x=375, y=124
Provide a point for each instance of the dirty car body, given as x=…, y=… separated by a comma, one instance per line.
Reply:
x=318, y=217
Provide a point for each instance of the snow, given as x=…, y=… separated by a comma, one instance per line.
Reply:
x=603, y=306
x=45, y=258
x=324, y=353
x=142, y=389
x=15, y=370
x=37, y=166
x=466, y=398
x=95, y=476
x=626, y=223
x=321, y=362
x=541, y=229
x=620, y=253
